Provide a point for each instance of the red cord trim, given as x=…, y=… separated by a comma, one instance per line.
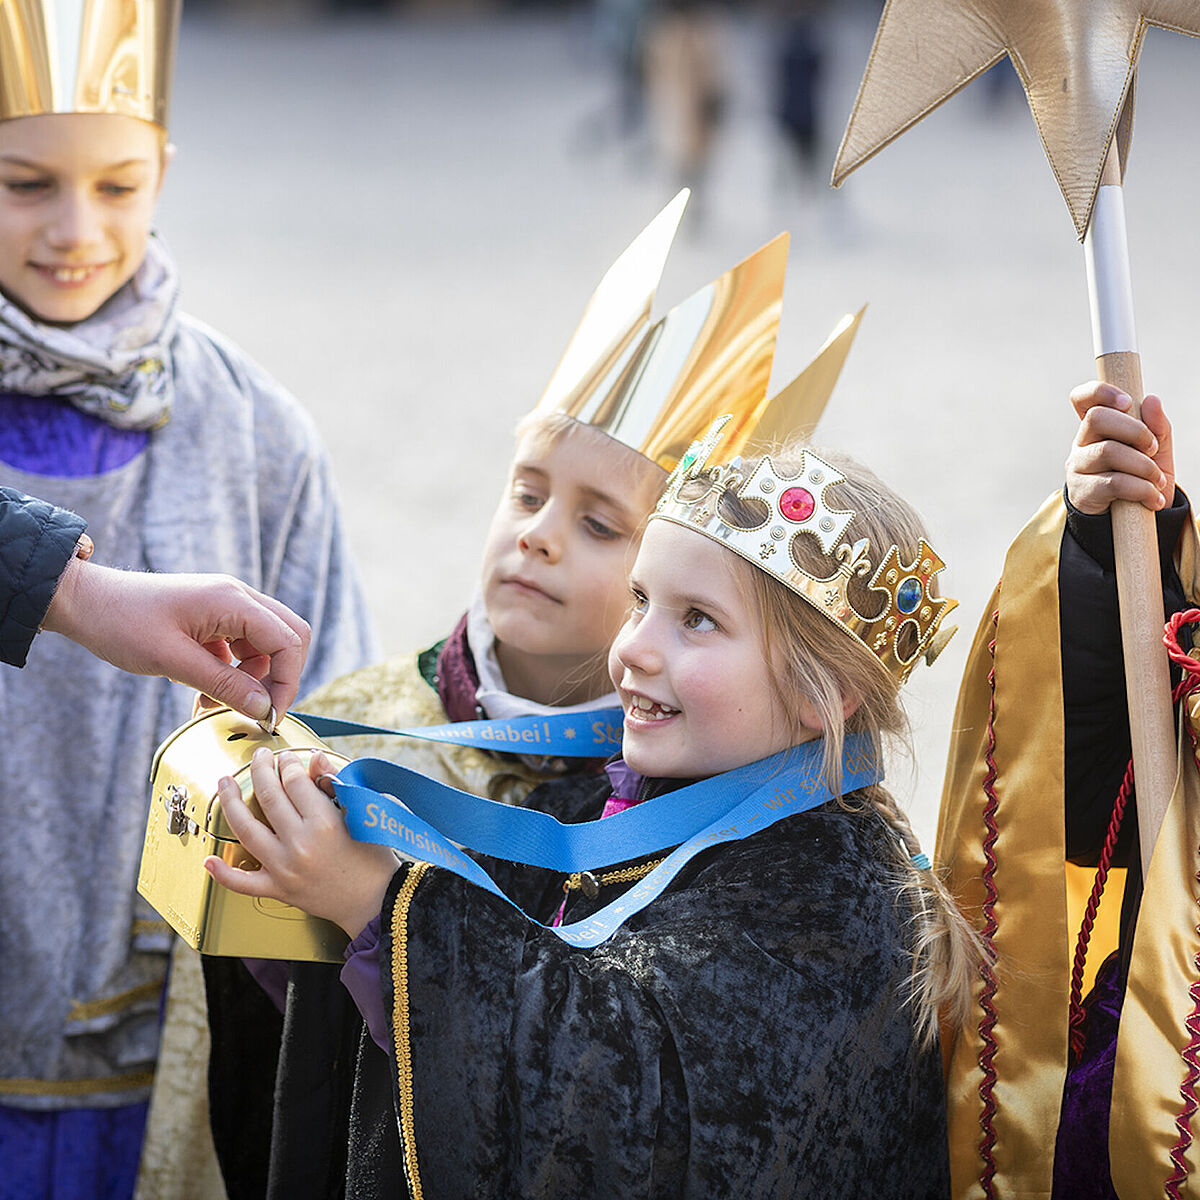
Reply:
x=987, y=998
x=1180, y=657
x=1191, y=1052
x=1187, y=1090
x=1076, y=1018
x=1191, y=679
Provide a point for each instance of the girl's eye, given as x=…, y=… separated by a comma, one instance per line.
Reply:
x=599, y=529
x=118, y=189
x=699, y=621
x=639, y=601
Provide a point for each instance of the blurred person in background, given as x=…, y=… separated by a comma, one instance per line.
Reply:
x=799, y=39
x=618, y=27
x=687, y=90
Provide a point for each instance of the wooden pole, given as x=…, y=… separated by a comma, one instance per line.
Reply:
x=1135, y=539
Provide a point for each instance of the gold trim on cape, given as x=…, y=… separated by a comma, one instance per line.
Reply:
x=112, y=1004
x=76, y=1087
x=144, y=925
x=406, y=1116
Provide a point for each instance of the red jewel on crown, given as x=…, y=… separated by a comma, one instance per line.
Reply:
x=797, y=504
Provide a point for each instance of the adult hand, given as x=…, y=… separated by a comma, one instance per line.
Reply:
x=189, y=628
x=308, y=857
x=1116, y=456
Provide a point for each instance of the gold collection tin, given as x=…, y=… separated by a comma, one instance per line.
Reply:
x=186, y=825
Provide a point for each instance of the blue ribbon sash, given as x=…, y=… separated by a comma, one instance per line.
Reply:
x=592, y=734
x=424, y=819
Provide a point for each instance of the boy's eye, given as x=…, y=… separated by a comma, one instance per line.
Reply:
x=699, y=621
x=26, y=187
x=529, y=501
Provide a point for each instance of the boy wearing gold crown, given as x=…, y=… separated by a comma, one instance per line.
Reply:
x=181, y=455
x=739, y=995
x=588, y=466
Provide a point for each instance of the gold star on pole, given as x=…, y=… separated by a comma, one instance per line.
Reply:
x=1076, y=60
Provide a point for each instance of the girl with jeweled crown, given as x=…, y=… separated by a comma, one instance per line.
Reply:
x=589, y=463
x=739, y=997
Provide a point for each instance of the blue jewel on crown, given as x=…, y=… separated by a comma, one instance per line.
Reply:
x=908, y=595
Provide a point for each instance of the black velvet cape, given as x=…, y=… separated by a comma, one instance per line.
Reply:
x=746, y=1035
x=743, y=1036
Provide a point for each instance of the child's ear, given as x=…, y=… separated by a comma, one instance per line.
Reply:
x=810, y=718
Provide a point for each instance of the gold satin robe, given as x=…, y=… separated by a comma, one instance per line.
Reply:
x=1037, y=912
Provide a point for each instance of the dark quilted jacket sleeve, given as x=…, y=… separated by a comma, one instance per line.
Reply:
x=36, y=543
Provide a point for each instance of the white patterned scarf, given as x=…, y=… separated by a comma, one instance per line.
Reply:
x=492, y=694
x=116, y=364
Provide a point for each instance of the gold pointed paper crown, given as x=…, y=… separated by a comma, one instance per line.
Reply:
x=775, y=511
x=87, y=56
x=657, y=387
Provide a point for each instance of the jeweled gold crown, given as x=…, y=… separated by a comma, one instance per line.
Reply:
x=774, y=511
x=87, y=56
x=657, y=387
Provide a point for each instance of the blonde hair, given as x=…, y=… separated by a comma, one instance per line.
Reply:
x=809, y=655
x=549, y=428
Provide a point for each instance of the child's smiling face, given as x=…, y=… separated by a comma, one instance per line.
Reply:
x=690, y=664
x=556, y=558
x=77, y=195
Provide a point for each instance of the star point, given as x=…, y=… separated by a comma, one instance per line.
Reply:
x=1076, y=59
